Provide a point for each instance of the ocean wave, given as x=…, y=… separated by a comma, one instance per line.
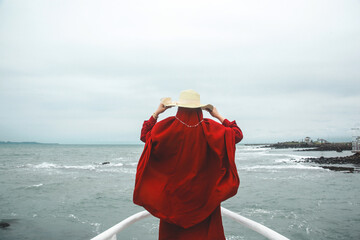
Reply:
x=118, y=170
x=115, y=165
x=252, y=149
x=124, y=164
x=292, y=158
x=283, y=160
x=279, y=167
x=233, y=237
x=284, y=157
x=36, y=185
x=46, y=165
x=111, y=167
x=260, y=211
x=134, y=164
x=96, y=226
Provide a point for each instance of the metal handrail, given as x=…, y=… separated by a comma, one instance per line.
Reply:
x=110, y=234
x=255, y=226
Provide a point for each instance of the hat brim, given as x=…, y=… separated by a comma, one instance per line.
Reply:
x=208, y=107
x=168, y=103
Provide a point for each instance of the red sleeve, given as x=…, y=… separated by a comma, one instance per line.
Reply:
x=235, y=128
x=146, y=128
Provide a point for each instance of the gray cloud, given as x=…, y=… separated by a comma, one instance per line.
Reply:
x=92, y=71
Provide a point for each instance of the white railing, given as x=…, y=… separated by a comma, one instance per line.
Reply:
x=255, y=226
x=110, y=234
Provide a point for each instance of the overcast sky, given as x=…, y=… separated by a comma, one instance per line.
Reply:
x=93, y=71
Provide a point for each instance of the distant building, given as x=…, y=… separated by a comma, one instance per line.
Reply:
x=307, y=140
x=356, y=140
x=321, y=141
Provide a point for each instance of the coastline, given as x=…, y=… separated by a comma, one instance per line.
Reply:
x=347, y=164
x=311, y=146
x=352, y=159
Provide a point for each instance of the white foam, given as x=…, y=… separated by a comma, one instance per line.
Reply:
x=253, y=149
x=283, y=160
x=233, y=237
x=46, y=165
x=73, y=216
x=279, y=167
x=297, y=157
x=112, y=167
x=37, y=185
x=116, y=164
x=96, y=225
x=128, y=171
x=117, y=170
x=261, y=211
x=85, y=167
x=284, y=155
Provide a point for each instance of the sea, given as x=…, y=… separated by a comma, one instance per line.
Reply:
x=56, y=192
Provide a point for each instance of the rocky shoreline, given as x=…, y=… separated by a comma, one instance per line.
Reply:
x=353, y=159
x=332, y=163
x=348, y=164
x=339, y=147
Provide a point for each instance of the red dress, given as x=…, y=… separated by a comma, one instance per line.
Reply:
x=186, y=170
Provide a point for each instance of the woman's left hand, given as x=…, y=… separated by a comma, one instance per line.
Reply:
x=162, y=108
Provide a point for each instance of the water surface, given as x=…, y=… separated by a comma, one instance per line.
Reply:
x=64, y=192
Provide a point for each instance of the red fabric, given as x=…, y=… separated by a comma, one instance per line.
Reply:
x=184, y=173
x=210, y=228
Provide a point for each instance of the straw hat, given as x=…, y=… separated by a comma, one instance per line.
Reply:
x=188, y=99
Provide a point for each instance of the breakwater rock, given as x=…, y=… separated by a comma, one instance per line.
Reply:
x=335, y=163
x=341, y=169
x=4, y=224
x=353, y=159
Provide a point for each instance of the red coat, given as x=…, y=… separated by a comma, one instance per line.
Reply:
x=186, y=170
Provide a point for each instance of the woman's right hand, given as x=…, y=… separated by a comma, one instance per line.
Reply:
x=214, y=113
